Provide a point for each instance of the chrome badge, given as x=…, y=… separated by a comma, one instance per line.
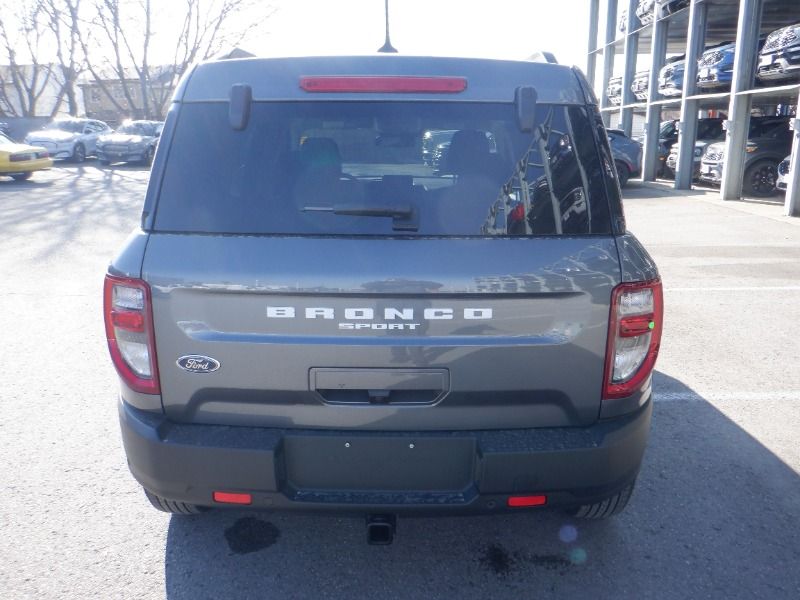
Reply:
x=195, y=363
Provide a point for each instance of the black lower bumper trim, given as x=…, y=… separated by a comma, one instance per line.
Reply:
x=420, y=472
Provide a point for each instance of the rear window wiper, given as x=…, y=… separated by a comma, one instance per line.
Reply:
x=404, y=218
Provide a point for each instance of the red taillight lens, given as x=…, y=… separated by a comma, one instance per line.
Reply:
x=232, y=498
x=634, y=336
x=522, y=501
x=128, y=313
x=383, y=84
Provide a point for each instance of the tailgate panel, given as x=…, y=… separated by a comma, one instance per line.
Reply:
x=516, y=327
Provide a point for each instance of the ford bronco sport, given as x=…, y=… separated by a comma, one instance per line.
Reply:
x=310, y=317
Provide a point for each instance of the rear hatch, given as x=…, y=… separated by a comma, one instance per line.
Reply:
x=339, y=280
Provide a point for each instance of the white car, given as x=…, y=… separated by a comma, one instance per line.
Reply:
x=71, y=139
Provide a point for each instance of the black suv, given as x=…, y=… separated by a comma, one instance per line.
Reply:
x=769, y=140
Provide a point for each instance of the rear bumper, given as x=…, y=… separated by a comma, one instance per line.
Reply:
x=121, y=156
x=423, y=472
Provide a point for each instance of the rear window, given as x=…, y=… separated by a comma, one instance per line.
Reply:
x=383, y=168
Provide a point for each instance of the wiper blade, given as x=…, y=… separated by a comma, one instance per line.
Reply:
x=404, y=218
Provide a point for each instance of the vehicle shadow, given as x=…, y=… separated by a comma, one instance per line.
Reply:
x=56, y=205
x=715, y=514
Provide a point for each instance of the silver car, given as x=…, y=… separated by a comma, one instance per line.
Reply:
x=70, y=139
x=133, y=141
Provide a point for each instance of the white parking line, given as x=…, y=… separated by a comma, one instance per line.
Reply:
x=763, y=396
x=755, y=288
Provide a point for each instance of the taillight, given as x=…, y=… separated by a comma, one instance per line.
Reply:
x=390, y=84
x=634, y=336
x=128, y=315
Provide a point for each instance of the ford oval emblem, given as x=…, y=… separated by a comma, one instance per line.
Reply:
x=195, y=363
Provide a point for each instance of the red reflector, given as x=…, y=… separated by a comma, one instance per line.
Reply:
x=633, y=326
x=232, y=498
x=384, y=84
x=128, y=320
x=517, y=501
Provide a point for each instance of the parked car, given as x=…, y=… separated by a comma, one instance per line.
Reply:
x=670, y=77
x=645, y=11
x=20, y=161
x=338, y=329
x=780, y=56
x=641, y=85
x=769, y=140
x=72, y=139
x=622, y=22
x=614, y=91
x=667, y=136
x=133, y=141
x=627, y=155
x=709, y=130
x=715, y=66
x=783, y=173
x=668, y=7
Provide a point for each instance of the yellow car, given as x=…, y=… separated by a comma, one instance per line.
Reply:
x=19, y=161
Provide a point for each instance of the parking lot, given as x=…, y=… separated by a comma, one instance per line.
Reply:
x=715, y=513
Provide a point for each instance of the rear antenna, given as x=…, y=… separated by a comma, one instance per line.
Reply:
x=387, y=45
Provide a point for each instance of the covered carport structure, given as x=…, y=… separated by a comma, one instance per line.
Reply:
x=688, y=31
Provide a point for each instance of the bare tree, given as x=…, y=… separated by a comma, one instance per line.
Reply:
x=125, y=29
x=25, y=79
x=64, y=23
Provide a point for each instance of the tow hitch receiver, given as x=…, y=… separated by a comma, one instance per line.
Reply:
x=380, y=529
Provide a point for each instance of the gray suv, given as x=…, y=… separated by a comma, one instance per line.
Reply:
x=309, y=317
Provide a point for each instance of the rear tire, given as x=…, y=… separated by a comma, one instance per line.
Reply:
x=148, y=157
x=21, y=176
x=606, y=508
x=761, y=179
x=78, y=153
x=173, y=506
x=623, y=173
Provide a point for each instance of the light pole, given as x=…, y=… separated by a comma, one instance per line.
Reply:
x=387, y=45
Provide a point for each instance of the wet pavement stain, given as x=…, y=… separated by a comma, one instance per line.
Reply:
x=548, y=561
x=496, y=559
x=249, y=534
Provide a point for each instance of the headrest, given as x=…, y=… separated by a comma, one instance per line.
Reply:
x=320, y=153
x=469, y=150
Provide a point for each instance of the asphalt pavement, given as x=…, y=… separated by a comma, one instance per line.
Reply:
x=715, y=514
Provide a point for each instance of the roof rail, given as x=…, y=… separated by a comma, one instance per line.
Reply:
x=541, y=56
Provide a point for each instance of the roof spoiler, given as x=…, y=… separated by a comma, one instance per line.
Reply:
x=542, y=56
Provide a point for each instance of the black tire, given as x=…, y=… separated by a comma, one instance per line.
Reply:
x=761, y=178
x=148, y=157
x=104, y=162
x=173, y=506
x=21, y=176
x=608, y=507
x=622, y=173
x=78, y=153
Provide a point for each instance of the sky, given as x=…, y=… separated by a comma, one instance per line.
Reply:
x=495, y=28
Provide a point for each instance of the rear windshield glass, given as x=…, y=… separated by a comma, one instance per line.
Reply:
x=383, y=168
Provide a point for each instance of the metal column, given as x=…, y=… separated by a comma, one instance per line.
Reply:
x=631, y=50
x=744, y=66
x=591, y=56
x=608, y=56
x=792, y=205
x=650, y=163
x=687, y=132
